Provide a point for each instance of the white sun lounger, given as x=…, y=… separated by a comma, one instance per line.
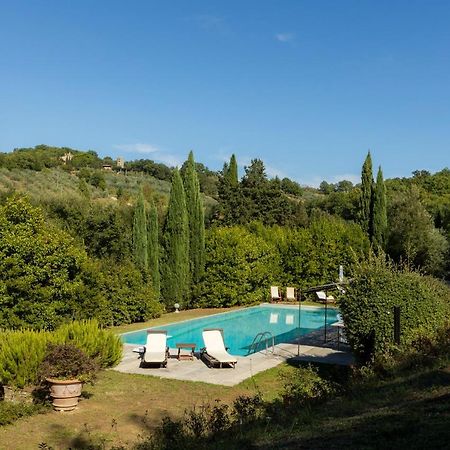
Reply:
x=275, y=294
x=215, y=352
x=323, y=297
x=290, y=294
x=155, y=350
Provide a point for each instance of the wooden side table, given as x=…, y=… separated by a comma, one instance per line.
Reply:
x=185, y=346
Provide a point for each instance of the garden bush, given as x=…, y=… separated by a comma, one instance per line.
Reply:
x=242, y=262
x=11, y=411
x=305, y=385
x=129, y=294
x=368, y=305
x=98, y=343
x=312, y=256
x=67, y=362
x=22, y=351
x=239, y=268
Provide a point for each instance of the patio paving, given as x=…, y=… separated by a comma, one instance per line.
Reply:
x=311, y=349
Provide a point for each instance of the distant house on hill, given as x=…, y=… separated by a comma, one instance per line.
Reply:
x=120, y=163
x=107, y=167
x=67, y=157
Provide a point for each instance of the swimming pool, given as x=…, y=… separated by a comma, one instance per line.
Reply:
x=241, y=326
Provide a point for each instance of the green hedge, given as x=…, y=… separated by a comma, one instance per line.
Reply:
x=22, y=351
x=239, y=268
x=368, y=305
x=242, y=262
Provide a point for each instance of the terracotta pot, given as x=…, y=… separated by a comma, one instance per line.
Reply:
x=65, y=393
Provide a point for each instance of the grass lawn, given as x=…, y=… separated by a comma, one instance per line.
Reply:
x=121, y=406
x=410, y=411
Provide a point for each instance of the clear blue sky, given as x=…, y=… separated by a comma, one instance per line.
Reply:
x=307, y=86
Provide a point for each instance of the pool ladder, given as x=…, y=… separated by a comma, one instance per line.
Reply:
x=264, y=336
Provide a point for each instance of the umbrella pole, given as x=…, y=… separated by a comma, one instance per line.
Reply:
x=299, y=321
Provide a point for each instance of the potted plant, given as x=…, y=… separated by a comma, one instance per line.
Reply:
x=65, y=368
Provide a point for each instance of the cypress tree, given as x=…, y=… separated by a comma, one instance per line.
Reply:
x=196, y=218
x=365, y=212
x=175, y=273
x=140, y=234
x=379, y=217
x=233, y=208
x=153, y=248
x=232, y=172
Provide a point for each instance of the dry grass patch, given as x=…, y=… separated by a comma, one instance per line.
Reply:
x=120, y=407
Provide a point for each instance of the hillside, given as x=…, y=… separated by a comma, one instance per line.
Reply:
x=52, y=183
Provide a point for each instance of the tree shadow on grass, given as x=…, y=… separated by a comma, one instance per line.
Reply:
x=380, y=417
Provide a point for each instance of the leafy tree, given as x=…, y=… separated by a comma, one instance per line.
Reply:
x=291, y=187
x=86, y=159
x=379, y=218
x=344, y=186
x=140, y=246
x=175, y=270
x=412, y=235
x=341, y=204
x=84, y=189
x=255, y=174
x=97, y=179
x=196, y=221
x=326, y=188
x=157, y=170
x=153, y=248
x=365, y=212
x=40, y=269
x=264, y=199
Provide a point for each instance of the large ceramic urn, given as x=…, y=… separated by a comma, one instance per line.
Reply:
x=65, y=393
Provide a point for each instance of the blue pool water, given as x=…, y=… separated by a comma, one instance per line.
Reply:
x=241, y=326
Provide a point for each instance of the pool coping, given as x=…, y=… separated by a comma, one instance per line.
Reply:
x=246, y=367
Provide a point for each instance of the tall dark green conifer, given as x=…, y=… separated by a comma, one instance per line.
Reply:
x=194, y=206
x=153, y=248
x=232, y=173
x=232, y=205
x=379, y=216
x=365, y=212
x=175, y=273
x=140, y=234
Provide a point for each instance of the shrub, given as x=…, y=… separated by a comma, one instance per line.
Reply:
x=368, y=305
x=129, y=294
x=22, y=351
x=39, y=269
x=11, y=411
x=239, y=267
x=98, y=343
x=304, y=385
x=311, y=256
x=67, y=362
